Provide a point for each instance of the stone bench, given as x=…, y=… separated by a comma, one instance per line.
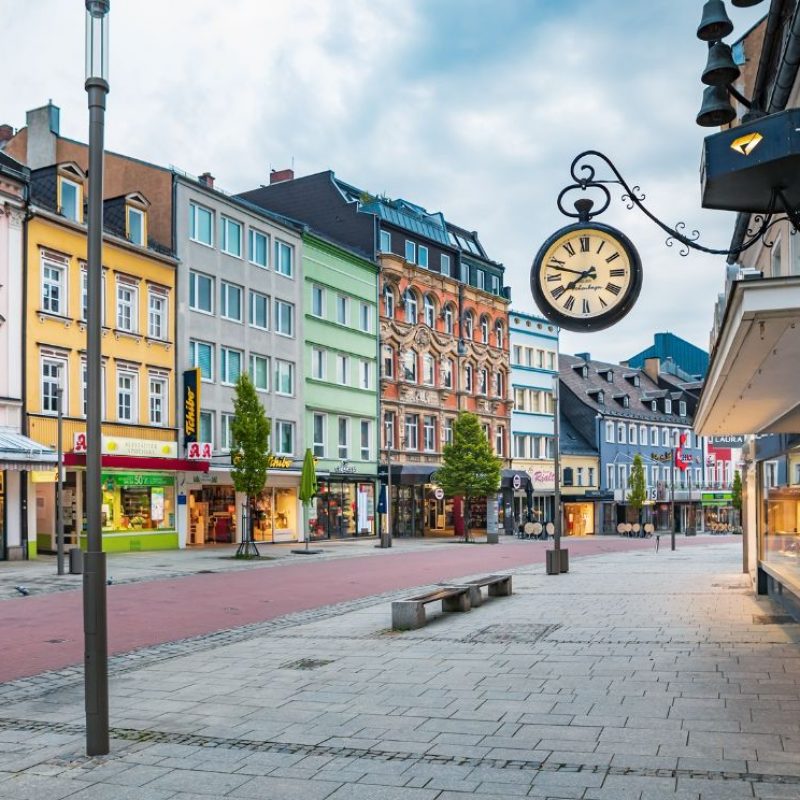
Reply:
x=410, y=614
x=497, y=585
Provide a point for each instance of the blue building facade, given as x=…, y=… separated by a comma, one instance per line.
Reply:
x=534, y=370
x=626, y=412
x=676, y=357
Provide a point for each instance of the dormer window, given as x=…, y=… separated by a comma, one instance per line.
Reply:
x=682, y=408
x=584, y=371
x=601, y=398
x=609, y=376
x=654, y=405
x=667, y=405
x=69, y=201
x=135, y=225
x=633, y=379
x=626, y=401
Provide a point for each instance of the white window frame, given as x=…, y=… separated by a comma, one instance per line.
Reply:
x=61, y=379
x=365, y=317
x=411, y=430
x=194, y=208
x=133, y=375
x=448, y=319
x=228, y=224
x=622, y=433
x=124, y=285
x=444, y=264
x=387, y=359
x=224, y=300
x=254, y=298
x=251, y=362
x=343, y=437
x=279, y=365
x=653, y=436
x=388, y=302
x=429, y=433
x=428, y=370
x=280, y=426
x=78, y=199
x=211, y=438
x=61, y=285
x=342, y=369
x=385, y=245
x=158, y=379
x=412, y=307
x=365, y=375
x=318, y=445
x=366, y=452
x=195, y=362
x=422, y=256
x=225, y=439
x=499, y=440
x=319, y=363
x=342, y=309
x=411, y=249
x=277, y=319
x=317, y=293
x=194, y=280
x=429, y=311
x=224, y=364
x=162, y=314
x=280, y=248
x=252, y=235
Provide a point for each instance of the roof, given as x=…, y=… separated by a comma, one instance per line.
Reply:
x=11, y=166
x=571, y=443
x=678, y=356
x=19, y=452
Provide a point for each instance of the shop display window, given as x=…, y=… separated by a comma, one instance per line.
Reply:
x=138, y=502
x=781, y=543
x=344, y=508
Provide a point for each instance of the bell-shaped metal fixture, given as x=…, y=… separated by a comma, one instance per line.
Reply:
x=720, y=69
x=745, y=3
x=715, y=23
x=716, y=109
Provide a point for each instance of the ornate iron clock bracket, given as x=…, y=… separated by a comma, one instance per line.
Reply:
x=584, y=173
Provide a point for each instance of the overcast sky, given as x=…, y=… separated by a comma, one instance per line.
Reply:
x=472, y=107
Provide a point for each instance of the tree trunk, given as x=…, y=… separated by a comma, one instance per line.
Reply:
x=467, y=519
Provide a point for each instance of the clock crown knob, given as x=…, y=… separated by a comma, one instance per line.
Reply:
x=584, y=209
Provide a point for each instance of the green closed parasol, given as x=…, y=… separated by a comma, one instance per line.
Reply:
x=308, y=488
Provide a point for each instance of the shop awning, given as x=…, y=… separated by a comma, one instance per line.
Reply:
x=18, y=452
x=507, y=479
x=410, y=474
x=139, y=462
x=752, y=381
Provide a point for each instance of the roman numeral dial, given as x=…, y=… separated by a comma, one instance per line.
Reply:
x=586, y=276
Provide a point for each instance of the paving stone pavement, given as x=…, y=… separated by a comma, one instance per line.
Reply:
x=636, y=675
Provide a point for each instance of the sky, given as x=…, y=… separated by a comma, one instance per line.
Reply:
x=475, y=108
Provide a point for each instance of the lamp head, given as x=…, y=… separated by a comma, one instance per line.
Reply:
x=715, y=23
x=97, y=39
x=716, y=109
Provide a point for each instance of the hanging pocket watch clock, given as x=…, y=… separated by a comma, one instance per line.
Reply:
x=586, y=276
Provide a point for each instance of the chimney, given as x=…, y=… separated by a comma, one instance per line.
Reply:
x=207, y=179
x=584, y=356
x=6, y=134
x=652, y=367
x=43, y=131
x=280, y=175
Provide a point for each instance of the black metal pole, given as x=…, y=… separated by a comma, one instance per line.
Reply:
x=95, y=625
x=59, y=490
x=672, y=499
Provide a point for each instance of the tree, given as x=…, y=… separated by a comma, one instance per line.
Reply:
x=736, y=495
x=249, y=452
x=470, y=468
x=637, y=486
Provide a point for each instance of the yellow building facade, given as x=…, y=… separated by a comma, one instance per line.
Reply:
x=139, y=360
x=580, y=484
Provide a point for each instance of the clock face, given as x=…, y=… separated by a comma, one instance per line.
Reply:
x=586, y=277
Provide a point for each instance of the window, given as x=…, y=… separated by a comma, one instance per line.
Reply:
x=519, y=445
x=483, y=381
x=284, y=437
x=127, y=302
x=284, y=318
x=411, y=307
x=621, y=435
x=447, y=373
x=157, y=400
x=319, y=435
x=207, y=427
x=551, y=360
x=317, y=301
x=259, y=372
x=387, y=360
x=632, y=434
x=386, y=242
x=156, y=314
x=225, y=437
x=540, y=359
x=54, y=374
x=495, y=284
x=484, y=330
x=230, y=365
x=411, y=252
x=581, y=473
x=643, y=434
x=54, y=295
x=448, y=430
x=410, y=366
x=343, y=370
x=388, y=302
x=665, y=437
x=135, y=225
x=487, y=432
x=365, y=374
x=201, y=224
x=365, y=317
x=126, y=395
x=428, y=369
x=623, y=476
x=654, y=436
x=480, y=279
x=201, y=292
x=231, y=301
x=500, y=440
x=610, y=476
x=653, y=405
x=318, y=358
x=259, y=310
x=412, y=431
x=682, y=408
x=342, y=309
x=468, y=325
x=201, y=354
x=499, y=335
x=667, y=405
x=344, y=438
x=448, y=319
x=429, y=433
x=429, y=310
x=366, y=439
x=71, y=200
x=676, y=437
x=468, y=378
x=284, y=258
x=500, y=385
x=258, y=247
x=422, y=256
x=388, y=429
x=591, y=476
x=444, y=264
x=284, y=377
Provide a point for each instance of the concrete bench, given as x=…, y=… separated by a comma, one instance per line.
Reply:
x=497, y=585
x=410, y=614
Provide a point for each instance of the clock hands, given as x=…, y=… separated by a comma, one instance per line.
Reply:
x=567, y=269
x=590, y=273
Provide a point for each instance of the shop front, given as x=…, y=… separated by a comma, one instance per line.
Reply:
x=345, y=507
x=418, y=506
x=719, y=515
x=780, y=542
x=516, y=500
x=579, y=518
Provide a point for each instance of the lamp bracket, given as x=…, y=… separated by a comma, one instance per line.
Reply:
x=583, y=171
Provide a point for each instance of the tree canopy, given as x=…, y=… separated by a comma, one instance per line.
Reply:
x=250, y=428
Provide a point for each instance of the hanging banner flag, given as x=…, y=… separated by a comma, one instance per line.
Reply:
x=191, y=405
x=681, y=461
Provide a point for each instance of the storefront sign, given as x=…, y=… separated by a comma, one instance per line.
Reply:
x=516, y=482
x=716, y=498
x=137, y=479
x=279, y=462
x=121, y=446
x=438, y=493
x=345, y=467
x=199, y=451
x=191, y=404
x=42, y=476
x=544, y=480
x=727, y=441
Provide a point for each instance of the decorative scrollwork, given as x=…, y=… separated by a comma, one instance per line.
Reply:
x=584, y=175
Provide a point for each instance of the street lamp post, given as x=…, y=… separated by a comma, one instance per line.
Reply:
x=94, y=573
x=59, y=488
x=557, y=559
x=672, y=499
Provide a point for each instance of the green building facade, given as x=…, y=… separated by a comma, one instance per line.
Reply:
x=340, y=363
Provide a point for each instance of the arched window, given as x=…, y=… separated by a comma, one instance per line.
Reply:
x=428, y=369
x=676, y=437
x=483, y=385
x=447, y=373
x=621, y=437
x=632, y=429
x=469, y=323
x=411, y=306
x=665, y=437
x=500, y=334
x=642, y=434
x=500, y=384
x=448, y=319
x=387, y=361
x=429, y=310
x=388, y=302
x=610, y=432
x=468, y=376
x=654, y=436
x=485, y=330
x=410, y=365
